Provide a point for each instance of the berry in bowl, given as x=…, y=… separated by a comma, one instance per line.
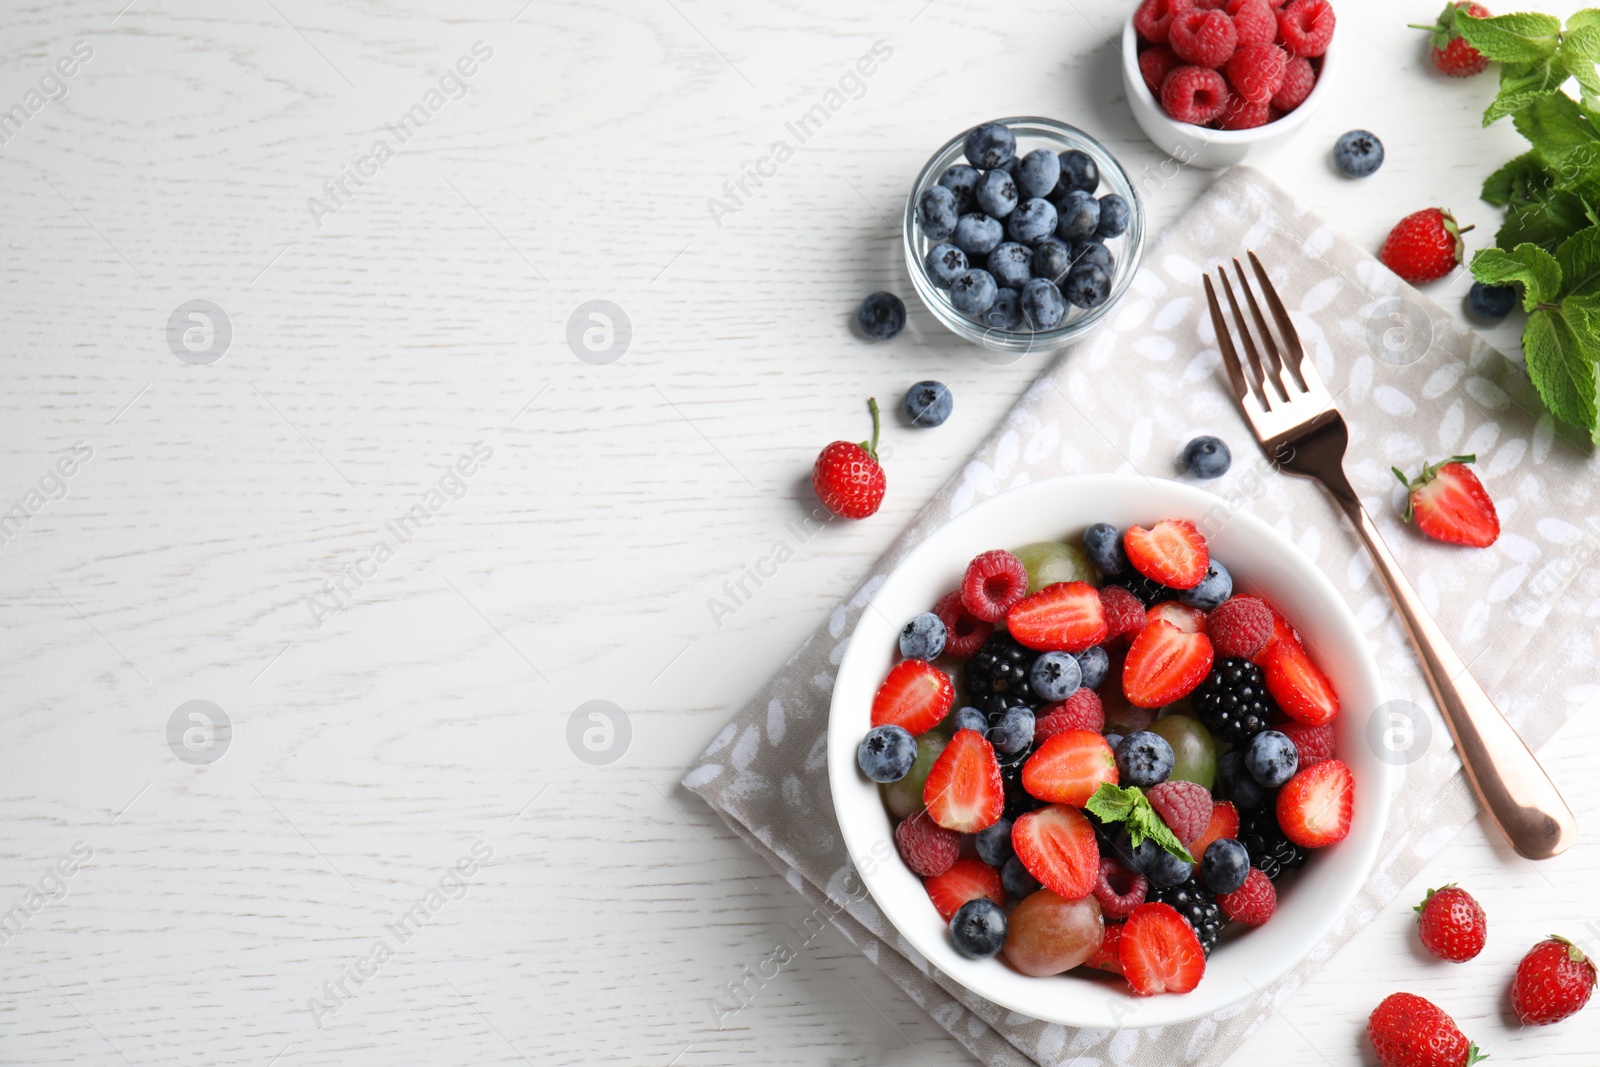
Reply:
x=1121, y=758
x=1022, y=233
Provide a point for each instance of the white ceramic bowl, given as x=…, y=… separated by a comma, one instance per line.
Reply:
x=1200, y=146
x=1261, y=561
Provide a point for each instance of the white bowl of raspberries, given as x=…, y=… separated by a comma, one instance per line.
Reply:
x=1208, y=80
x=1100, y=752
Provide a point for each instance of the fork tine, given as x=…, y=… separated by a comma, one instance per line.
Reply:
x=1247, y=341
x=1230, y=358
x=1291, y=337
x=1274, y=360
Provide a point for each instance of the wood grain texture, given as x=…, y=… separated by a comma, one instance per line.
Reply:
x=369, y=352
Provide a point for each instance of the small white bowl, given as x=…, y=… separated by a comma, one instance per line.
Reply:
x=1262, y=561
x=1200, y=146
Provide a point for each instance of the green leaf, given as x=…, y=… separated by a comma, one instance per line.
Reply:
x=1525, y=37
x=1579, y=259
x=1555, y=126
x=1519, y=182
x=1113, y=803
x=1533, y=267
x=1580, y=51
x=1562, y=366
x=1545, y=222
x=1582, y=20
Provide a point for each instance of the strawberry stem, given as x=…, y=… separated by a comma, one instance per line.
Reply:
x=872, y=446
x=1466, y=229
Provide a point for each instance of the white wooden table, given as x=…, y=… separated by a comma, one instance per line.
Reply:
x=412, y=715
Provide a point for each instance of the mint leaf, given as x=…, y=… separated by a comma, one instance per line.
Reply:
x=1562, y=365
x=1113, y=803
x=1556, y=127
x=1525, y=37
x=1536, y=269
x=1545, y=222
x=1519, y=182
x=1579, y=260
x=1146, y=823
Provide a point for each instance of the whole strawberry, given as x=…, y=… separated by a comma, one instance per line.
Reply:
x=1452, y=924
x=1450, y=504
x=847, y=477
x=1407, y=1031
x=1424, y=246
x=1448, y=49
x=1554, y=980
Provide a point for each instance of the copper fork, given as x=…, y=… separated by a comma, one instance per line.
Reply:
x=1302, y=433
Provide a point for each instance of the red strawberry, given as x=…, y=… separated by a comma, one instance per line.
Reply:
x=1107, y=956
x=1080, y=711
x=1424, y=246
x=916, y=696
x=1450, y=504
x=1240, y=626
x=1057, y=846
x=1204, y=38
x=846, y=476
x=1252, y=903
x=1171, y=552
x=1313, y=744
x=1297, y=684
x=1407, y=1031
x=1119, y=890
x=1155, y=64
x=1184, y=806
x=1314, y=807
x=1189, y=620
x=1164, y=663
x=967, y=879
x=1299, y=78
x=1452, y=924
x=1306, y=26
x=1554, y=980
x=1160, y=952
x=1280, y=631
x=1065, y=617
x=1224, y=822
x=925, y=846
x=1124, y=613
x=965, y=633
x=1448, y=49
x=993, y=583
x=1069, y=767
x=963, y=791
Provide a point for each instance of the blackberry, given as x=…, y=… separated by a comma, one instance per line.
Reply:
x=1198, y=905
x=1269, y=849
x=1018, y=801
x=1148, y=590
x=996, y=677
x=1233, y=700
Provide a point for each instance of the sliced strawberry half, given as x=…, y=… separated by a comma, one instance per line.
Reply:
x=1298, y=685
x=916, y=696
x=1069, y=767
x=1164, y=663
x=1315, y=806
x=1057, y=846
x=1107, y=956
x=1450, y=504
x=1171, y=552
x=1281, y=630
x=964, y=792
x=1160, y=952
x=967, y=879
x=1064, y=617
x=1224, y=823
x=1189, y=620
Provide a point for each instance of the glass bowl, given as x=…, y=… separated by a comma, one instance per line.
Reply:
x=1031, y=133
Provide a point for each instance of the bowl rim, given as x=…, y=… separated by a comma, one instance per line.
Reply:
x=1113, y=1008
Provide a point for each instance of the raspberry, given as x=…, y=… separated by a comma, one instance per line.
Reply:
x=1080, y=711
x=1241, y=114
x=1252, y=903
x=1184, y=806
x=1298, y=80
x=1256, y=72
x=1306, y=27
x=965, y=633
x=1204, y=38
x=1239, y=627
x=1194, y=94
x=1253, y=21
x=927, y=848
x=1153, y=19
x=1155, y=64
x=1313, y=743
x=994, y=581
x=1124, y=612
x=1119, y=890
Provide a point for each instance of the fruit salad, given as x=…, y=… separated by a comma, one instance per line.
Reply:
x=1099, y=756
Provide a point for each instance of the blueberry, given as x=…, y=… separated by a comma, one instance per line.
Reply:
x=1006, y=311
x=1095, y=664
x=1213, y=589
x=990, y=145
x=1014, y=732
x=1102, y=543
x=1225, y=865
x=881, y=316
x=1160, y=866
x=963, y=181
x=1235, y=783
x=1207, y=457
x=1092, y=252
x=1042, y=305
x=994, y=843
x=969, y=718
x=1358, y=154
x=937, y=212
x=973, y=291
x=1271, y=759
x=944, y=262
x=1113, y=216
x=1011, y=264
x=978, y=928
x=1078, y=171
x=977, y=234
x=1144, y=759
x=1078, y=216
x=887, y=753
x=1019, y=884
x=1491, y=301
x=1052, y=259
x=922, y=637
x=1088, y=285
x=927, y=404
x=1010, y=167
x=1039, y=172
x=1033, y=221
x=1055, y=676
x=1113, y=740
x=997, y=194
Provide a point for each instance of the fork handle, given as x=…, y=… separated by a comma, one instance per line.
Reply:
x=1514, y=789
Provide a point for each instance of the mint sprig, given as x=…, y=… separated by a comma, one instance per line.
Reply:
x=1115, y=803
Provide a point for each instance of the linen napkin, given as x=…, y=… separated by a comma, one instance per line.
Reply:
x=1413, y=387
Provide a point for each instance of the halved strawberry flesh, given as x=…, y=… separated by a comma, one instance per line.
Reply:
x=1280, y=631
x=1159, y=951
x=1064, y=617
x=916, y=695
x=1107, y=957
x=1451, y=505
x=968, y=879
x=1189, y=620
x=1171, y=552
x=1316, y=805
x=1069, y=767
x=1300, y=688
x=1224, y=823
x=1057, y=846
x=964, y=792
x=1164, y=664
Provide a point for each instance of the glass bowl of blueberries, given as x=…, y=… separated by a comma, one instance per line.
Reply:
x=1022, y=234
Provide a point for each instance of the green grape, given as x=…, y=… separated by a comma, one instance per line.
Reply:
x=1049, y=562
x=904, y=798
x=1195, y=751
